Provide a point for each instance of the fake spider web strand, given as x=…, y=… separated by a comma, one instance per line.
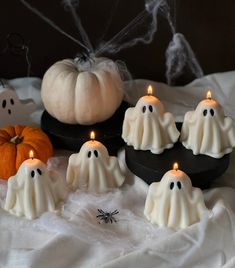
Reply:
x=51, y=23
x=113, y=45
x=78, y=24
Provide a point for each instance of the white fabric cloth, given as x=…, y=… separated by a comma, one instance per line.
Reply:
x=73, y=237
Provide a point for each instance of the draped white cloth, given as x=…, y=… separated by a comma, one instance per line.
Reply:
x=73, y=237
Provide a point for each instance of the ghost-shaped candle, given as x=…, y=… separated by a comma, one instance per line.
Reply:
x=173, y=202
x=92, y=169
x=148, y=127
x=12, y=109
x=34, y=189
x=207, y=130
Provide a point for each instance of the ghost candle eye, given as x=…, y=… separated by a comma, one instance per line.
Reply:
x=12, y=101
x=4, y=103
x=205, y=112
x=96, y=153
x=144, y=109
x=179, y=184
x=150, y=108
x=39, y=171
x=172, y=185
x=89, y=154
x=32, y=173
x=212, y=112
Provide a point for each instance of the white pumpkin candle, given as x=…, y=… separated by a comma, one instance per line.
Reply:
x=207, y=130
x=148, y=127
x=173, y=202
x=34, y=189
x=84, y=91
x=93, y=169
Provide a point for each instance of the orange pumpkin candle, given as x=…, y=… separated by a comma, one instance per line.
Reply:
x=15, y=144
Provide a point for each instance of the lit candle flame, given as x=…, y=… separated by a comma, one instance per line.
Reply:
x=150, y=90
x=175, y=166
x=92, y=135
x=31, y=154
x=208, y=95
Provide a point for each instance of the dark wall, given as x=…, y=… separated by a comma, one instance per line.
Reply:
x=208, y=26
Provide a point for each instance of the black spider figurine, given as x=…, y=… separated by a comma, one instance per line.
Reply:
x=83, y=57
x=107, y=217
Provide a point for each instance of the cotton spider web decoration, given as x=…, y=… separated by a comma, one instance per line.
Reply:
x=178, y=54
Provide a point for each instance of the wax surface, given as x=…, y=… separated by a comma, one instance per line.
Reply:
x=148, y=127
x=207, y=131
x=173, y=202
x=34, y=190
x=93, y=169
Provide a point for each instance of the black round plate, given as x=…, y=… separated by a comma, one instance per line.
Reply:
x=71, y=137
x=151, y=167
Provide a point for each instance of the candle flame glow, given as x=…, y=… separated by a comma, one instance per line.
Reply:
x=31, y=154
x=209, y=95
x=92, y=135
x=150, y=90
x=175, y=166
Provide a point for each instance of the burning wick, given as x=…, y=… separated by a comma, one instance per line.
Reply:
x=208, y=95
x=92, y=135
x=31, y=154
x=175, y=166
x=150, y=90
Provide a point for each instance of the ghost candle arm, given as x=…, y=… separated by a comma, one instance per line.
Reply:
x=149, y=203
x=30, y=105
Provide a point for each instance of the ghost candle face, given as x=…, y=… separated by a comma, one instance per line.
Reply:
x=207, y=131
x=173, y=202
x=34, y=190
x=148, y=127
x=12, y=110
x=93, y=169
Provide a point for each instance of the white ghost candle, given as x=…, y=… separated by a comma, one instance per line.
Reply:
x=173, y=202
x=34, y=189
x=93, y=169
x=148, y=127
x=12, y=109
x=207, y=131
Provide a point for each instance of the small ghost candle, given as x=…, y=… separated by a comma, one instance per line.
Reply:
x=148, y=127
x=93, y=169
x=173, y=202
x=34, y=189
x=207, y=130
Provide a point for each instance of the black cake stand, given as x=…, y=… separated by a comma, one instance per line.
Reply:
x=150, y=167
x=71, y=137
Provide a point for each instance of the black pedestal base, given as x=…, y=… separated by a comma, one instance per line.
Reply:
x=71, y=137
x=150, y=167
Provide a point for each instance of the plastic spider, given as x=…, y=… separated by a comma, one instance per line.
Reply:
x=107, y=217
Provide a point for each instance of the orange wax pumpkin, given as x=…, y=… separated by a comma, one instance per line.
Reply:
x=15, y=144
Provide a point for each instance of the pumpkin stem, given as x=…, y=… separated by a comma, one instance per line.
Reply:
x=16, y=140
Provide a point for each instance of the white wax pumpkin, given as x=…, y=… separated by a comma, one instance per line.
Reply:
x=207, y=131
x=85, y=93
x=148, y=127
x=93, y=169
x=173, y=202
x=34, y=190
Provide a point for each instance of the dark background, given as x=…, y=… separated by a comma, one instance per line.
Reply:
x=209, y=26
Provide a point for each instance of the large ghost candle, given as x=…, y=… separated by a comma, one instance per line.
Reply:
x=34, y=189
x=92, y=169
x=207, y=131
x=173, y=202
x=148, y=127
